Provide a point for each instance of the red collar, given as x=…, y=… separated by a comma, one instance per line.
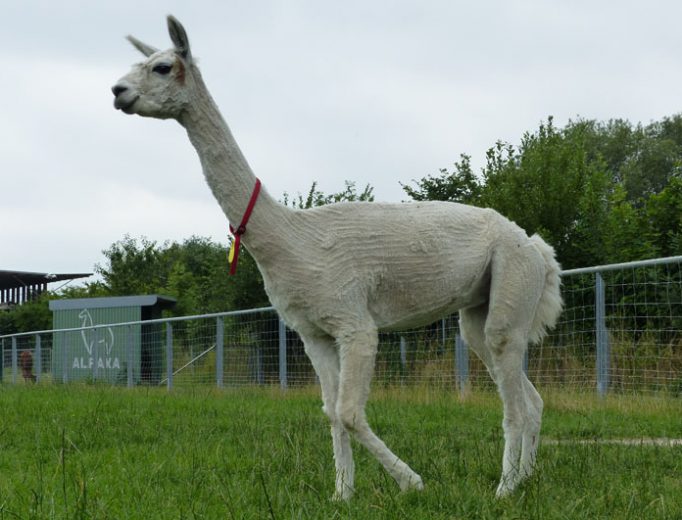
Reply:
x=234, y=249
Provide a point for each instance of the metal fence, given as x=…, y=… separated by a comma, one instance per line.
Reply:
x=620, y=331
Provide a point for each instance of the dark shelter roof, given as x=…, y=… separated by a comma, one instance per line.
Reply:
x=18, y=279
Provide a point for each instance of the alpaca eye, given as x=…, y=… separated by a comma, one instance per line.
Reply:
x=162, y=69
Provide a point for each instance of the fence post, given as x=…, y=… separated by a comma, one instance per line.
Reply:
x=258, y=368
x=219, y=353
x=461, y=363
x=403, y=358
x=14, y=360
x=2, y=360
x=169, y=356
x=282, y=336
x=443, y=329
x=65, y=357
x=93, y=354
x=39, y=358
x=129, y=355
x=602, y=337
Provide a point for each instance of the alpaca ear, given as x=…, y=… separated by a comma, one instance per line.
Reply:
x=145, y=49
x=179, y=37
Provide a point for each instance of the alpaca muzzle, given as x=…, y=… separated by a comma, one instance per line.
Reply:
x=124, y=98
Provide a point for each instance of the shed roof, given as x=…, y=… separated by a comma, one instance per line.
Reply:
x=147, y=300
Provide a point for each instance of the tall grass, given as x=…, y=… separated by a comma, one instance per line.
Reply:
x=97, y=452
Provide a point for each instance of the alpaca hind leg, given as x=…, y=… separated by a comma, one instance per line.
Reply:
x=324, y=357
x=498, y=361
x=509, y=378
x=531, y=431
x=517, y=282
x=357, y=356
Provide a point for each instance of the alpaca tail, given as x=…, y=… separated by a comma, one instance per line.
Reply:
x=550, y=304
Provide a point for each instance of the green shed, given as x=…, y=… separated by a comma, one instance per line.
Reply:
x=105, y=354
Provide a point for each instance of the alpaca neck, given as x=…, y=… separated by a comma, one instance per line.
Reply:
x=229, y=175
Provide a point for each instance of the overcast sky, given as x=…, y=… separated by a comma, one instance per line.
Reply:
x=372, y=91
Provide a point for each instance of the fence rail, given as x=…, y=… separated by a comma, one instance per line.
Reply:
x=620, y=331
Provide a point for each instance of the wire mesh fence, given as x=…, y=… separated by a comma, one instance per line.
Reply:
x=620, y=331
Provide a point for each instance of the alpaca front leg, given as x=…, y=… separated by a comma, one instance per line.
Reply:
x=324, y=357
x=406, y=478
x=357, y=367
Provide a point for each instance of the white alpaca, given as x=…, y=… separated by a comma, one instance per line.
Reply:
x=340, y=273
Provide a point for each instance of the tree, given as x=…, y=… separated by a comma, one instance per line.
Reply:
x=194, y=272
x=316, y=198
x=460, y=185
x=626, y=234
x=641, y=158
x=664, y=211
x=32, y=315
x=133, y=267
x=598, y=192
x=551, y=185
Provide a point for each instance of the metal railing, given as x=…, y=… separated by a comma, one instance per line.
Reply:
x=620, y=331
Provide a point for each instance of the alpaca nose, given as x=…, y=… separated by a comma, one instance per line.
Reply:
x=118, y=90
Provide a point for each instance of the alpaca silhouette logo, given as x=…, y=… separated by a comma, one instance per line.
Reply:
x=89, y=335
x=93, y=341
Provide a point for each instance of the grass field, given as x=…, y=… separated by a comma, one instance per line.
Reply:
x=94, y=452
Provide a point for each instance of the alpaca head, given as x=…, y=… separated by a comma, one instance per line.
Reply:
x=160, y=86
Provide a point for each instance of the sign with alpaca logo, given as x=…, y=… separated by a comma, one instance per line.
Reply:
x=98, y=345
x=94, y=348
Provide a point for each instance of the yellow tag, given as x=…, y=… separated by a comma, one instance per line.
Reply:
x=230, y=255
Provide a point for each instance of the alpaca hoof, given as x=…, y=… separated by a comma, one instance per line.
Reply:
x=342, y=496
x=412, y=483
x=504, y=490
